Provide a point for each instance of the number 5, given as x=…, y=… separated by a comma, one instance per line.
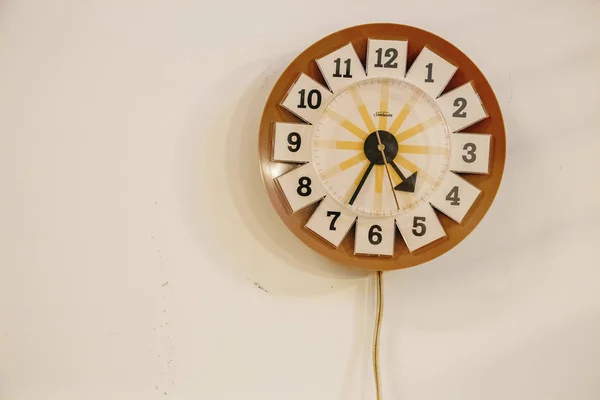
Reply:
x=419, y=227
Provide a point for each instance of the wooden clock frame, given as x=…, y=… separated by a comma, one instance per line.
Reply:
x=417, y=40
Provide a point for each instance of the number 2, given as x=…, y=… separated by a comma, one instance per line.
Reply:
x=461, y=103
x=391, y=53
x=336, y=215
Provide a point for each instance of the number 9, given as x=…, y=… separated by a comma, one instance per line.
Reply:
x=295, y=141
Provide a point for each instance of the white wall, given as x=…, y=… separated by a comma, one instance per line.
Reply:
x=141, y=259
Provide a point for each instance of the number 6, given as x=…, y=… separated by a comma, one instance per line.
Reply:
x=375, y=235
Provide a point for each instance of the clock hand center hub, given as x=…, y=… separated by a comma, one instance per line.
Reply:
x=373, y=148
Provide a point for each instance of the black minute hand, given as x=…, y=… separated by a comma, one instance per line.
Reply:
x=360, y=184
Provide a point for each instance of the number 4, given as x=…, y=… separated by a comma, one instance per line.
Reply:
x=452, y=197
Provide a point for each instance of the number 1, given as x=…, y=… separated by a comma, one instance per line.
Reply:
x=429, y=78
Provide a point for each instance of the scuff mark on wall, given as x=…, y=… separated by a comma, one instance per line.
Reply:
x=258, y=285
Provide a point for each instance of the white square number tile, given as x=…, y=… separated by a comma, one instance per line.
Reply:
x=374, y=236
x=454, y=197
x=386, y=58
x=470, y=152
x=301, y=187
x=292, y=142
x=419, y=227
x=331, y=222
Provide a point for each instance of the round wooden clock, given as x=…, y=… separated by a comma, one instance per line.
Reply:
x=382, y=146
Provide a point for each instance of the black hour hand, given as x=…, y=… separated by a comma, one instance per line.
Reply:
x=360, y=184
x=407, y=184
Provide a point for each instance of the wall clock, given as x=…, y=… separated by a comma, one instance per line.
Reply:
x=382, y=146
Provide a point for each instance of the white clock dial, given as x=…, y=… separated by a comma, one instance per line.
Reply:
x=366, y=120
x=380, y=150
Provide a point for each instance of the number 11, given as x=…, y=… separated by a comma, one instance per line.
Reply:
x=338, y=65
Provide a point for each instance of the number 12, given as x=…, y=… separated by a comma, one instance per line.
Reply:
x=391, y=53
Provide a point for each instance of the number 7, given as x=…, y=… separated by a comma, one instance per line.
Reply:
x=336, y=215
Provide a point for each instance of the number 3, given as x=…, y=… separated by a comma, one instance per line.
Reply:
x=470, y=156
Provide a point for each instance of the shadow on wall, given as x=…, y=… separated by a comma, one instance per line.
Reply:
x=225, y=202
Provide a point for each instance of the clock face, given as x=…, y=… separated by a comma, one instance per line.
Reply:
x=349, y=143
x=385, y=153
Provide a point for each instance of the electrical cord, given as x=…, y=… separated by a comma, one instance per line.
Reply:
x=378, y=318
